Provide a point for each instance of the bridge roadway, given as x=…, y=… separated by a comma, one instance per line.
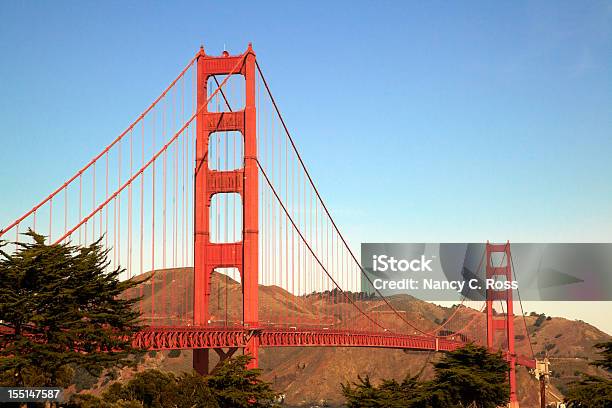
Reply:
x=192, y=337
x=168, y=338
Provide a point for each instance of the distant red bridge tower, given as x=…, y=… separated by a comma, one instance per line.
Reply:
x=242, y=255
x=504, y=321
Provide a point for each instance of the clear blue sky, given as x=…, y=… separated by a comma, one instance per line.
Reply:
x=420, y=121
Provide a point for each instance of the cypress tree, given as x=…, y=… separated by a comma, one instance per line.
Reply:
x=593, y=391
x=61, y=306
x=467, y=376
x=234, y=385
x=471, y=374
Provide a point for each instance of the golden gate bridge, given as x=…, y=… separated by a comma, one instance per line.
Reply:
x=206, y=193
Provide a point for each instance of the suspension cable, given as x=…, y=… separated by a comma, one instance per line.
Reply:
x=103, y=152
x=299, y=232
x=324, y=206
x=155, y=156
x=521, y=304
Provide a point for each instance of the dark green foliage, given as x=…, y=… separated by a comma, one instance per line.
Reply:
x=156, y=389
x=606, y=353
x=593, y=391
x=541, y=318
x=233, y=385
x=152, y=387
x=91, y=401
x=112, y=374
x=82, y=379
x=62, y=309
x=473, y=374
x=467, y=375
x=549, y=346
x=590, y=392
x=174, y=353
x=390, y=394
x=193, y=391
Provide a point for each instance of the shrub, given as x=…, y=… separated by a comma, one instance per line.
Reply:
x=541, y=318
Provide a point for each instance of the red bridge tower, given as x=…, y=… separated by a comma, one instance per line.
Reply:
x=505, y=321
x=242, y=255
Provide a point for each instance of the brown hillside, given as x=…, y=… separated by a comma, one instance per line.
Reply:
x=311, y=376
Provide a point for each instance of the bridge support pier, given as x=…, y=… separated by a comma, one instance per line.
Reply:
x=201, y=361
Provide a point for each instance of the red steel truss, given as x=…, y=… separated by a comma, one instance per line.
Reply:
x=167, y=338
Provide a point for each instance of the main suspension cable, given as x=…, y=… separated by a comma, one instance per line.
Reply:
x=324, y=206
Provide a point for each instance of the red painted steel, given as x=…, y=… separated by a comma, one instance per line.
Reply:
x=242, y=255
x=503, y=321
x=167, y=338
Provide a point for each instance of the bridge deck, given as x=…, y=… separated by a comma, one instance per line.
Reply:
x=169, y=338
